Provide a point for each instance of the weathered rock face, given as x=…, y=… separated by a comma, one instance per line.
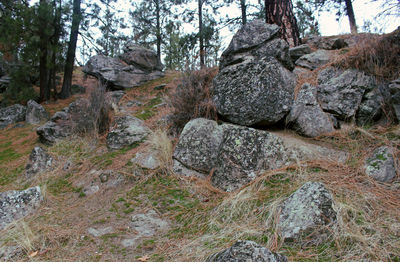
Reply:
x=328, y=43
x=370, y=109
x=306, y=116
x=50, y=132
x=35, y=113
x=305, y=211
x=394, y=88
x=314, y=60
x=381, y=165
x=18, y=204
x=139, y=67
x=39, y=161
x=342, y=94
x=299, y=51
x=235, y=154
x=127, y=131
x=248, y=251
x=254, y=75
x=12, y=114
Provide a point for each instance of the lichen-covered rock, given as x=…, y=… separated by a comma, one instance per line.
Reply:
x=255, y=83
x=235, y=155
x=35, y=113
x=127, y=130
x=328, y=43
x=12, y=114
x=256, y=92
x=306, y=116
x=148, y=160
x=39, y=161
x=305, y=211
x=342, y=95
x=381, y=165
x=50, y=132
x=18, y=204
x=246, y=251
x=370, y=109
x=298, y=51
x=314, y=60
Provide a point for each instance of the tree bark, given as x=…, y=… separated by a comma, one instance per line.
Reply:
x=69, y=63
x=280, y=12
x=158, y=28
x=350, y=14
x=201, y=39
x=243, y=8
x=43, y=47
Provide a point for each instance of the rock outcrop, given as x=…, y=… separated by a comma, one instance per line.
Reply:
x=248, y=251
x=39, y=161
x=307, y=210
x=35, y=113
x=11, y=115
x=127, y=131
x=381, y=165
x=255, y=74
x=134, y=67
x=18, y=204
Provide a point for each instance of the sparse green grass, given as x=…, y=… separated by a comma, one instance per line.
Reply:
x=8, y=176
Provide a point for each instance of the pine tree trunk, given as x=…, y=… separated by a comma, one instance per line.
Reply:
x=350, y=14
x=69, y=63
x=243, y=8
x=280, y=12
x=158, y=31
x=201, y=40
x=43, y=47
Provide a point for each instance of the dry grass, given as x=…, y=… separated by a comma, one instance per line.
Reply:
x=162, y=145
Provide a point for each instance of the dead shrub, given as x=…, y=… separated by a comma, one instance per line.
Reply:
x=376, y=55
x=192, y=99
x=91, y=115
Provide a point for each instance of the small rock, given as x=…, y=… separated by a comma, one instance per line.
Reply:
x=381, y=165
x=12, y=114
x=314, y=60
x=246, y=251
x=39, y=161
x=147, y=160
x=18, y=204
x=298, y=51
x=127, y=131
x=148, y=224
x=100, y=231
x=35, y=113
x=306, y=210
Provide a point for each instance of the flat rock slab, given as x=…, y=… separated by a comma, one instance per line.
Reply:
x=246, y=251
x=381, y=165
x=305, y=211
x=18, y=204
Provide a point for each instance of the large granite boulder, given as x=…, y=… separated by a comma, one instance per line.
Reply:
x=18, y=204
x=248, y=251
x=35, y=113
x=136, y=67
x=255, y=84
x=381, y=165
x=39, y=161
x=234, y=155
x=307, y=210
x=12, y=114
x=314, y=60
x=127, y=131
x=306, y=116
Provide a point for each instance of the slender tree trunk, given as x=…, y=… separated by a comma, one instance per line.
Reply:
x=350, y=14
x=158, y=31
x=280, y=12
x=69, y=63
x=243, y=8
x=55, y=44
x=43, y=47
x=201, y=39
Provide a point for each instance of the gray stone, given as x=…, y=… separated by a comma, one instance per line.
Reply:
x=381, y=165
x=342, y=95
x=18, y=204
x=127, y=131
x=246, y=251
x=328, y=43
x=100, y=231
x=60, y=115
x=11, y=115
x=298, y=51
x=256, y=92
x=235, y=155
x=51, y=132
x=39, y=161
x=307, y=210
x=148, y=224
x=141, y=57
x=35, y=113
x=11, y=253
x=148, y=160
x=314, y=60
x=394, y=88
x=370, y=109
x=325, y=75
x=306, y=116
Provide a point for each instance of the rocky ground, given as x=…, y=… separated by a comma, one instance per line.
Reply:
x=219, y=191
